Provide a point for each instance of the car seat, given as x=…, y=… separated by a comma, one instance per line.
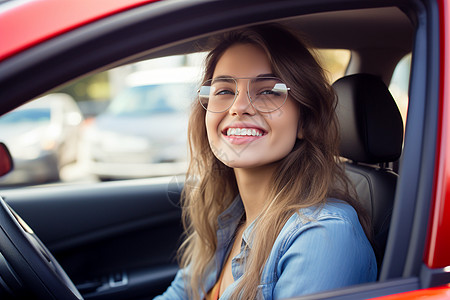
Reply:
x=371, y=130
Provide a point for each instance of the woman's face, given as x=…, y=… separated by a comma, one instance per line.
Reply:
x=274, y=133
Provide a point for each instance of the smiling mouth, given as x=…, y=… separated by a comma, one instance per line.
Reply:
x=243, y=132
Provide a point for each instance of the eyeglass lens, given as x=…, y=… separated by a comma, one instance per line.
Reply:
x=266, y=94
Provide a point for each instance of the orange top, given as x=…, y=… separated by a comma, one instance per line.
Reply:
x=213, y=294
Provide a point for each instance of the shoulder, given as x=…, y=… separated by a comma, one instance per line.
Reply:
x=315, y=239
x=333, y=213
x=329, y=235
x=334, y=226
x=332, y=209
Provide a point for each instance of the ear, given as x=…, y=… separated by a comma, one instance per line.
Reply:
x=300, y=132
x=300, y=128
x=300, y=124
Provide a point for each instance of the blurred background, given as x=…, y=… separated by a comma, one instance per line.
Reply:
x=127, y=122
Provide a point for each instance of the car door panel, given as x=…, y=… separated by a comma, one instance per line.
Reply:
x=114, y=239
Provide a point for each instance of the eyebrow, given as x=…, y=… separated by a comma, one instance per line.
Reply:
x=266, y=75
x=223, y=79
x=226, y=78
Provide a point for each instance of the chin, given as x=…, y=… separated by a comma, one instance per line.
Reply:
x=243, y=163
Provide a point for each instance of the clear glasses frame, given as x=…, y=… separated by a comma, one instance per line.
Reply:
x=266, y=94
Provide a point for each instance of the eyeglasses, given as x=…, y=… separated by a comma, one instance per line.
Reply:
x=266, y=94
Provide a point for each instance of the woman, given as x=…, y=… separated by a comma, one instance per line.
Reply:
x=266, y=207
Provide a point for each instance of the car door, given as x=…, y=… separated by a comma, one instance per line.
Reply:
x=116, y=240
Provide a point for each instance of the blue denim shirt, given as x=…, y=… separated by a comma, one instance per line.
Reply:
x=318, y=249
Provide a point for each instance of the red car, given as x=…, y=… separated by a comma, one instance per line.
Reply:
x=117, y=240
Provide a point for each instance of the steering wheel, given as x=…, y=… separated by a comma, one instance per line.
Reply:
x=27, y=268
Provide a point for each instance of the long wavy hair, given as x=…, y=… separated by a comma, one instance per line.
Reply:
x=307, y=176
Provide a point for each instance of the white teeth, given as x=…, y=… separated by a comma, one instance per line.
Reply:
x=244, y=131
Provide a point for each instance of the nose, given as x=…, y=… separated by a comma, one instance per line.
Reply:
x=241, y=104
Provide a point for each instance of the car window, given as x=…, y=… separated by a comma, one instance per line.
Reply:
x=32, y=115
x=124, y=123
x=152, y=99
x=399, y=85
x=42, y=137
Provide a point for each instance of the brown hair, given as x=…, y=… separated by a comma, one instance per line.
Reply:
x=307, y=176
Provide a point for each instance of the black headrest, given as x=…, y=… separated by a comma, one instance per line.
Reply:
x=371, y=126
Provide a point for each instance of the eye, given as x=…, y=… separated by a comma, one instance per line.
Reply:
x=224, y=92
x=269, y=92
x=266, y=92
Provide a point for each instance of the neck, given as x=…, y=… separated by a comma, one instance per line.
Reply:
x=254, y=186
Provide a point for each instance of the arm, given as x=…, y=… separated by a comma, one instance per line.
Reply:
x=324, y=255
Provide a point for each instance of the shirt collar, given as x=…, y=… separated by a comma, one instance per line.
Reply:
x=247, y=235
x=232, y=214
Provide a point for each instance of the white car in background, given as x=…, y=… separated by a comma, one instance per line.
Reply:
x=43, y=137
x=128, y=139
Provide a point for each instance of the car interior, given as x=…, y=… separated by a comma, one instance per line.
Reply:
x=119, y=239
